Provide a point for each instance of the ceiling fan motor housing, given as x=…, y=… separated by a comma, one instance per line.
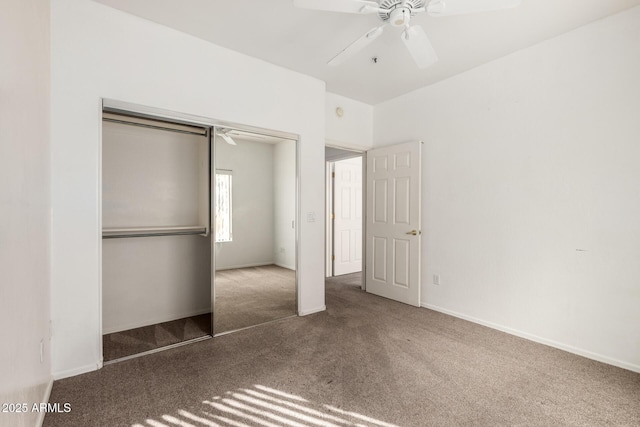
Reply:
x=400, y=11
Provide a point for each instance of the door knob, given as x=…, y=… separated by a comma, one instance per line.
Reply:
x=412, y=232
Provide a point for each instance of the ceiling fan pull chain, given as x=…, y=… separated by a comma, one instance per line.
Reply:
x=405, y=33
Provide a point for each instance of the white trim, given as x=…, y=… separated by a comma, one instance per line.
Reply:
x=157, y=350
x=45, y=399
x=346, y=145
x=257, y=264
x=288, y=267
x=114, y=105
x=312, y=311
x=328, y=231
x=77, y=371
x=298, y=227
x=98, y=337
x=363, y=285
x=535, y=338
x=156, y=320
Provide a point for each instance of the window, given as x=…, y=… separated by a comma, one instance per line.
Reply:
x=223, y=206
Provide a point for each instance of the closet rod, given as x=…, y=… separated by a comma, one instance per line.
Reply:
x=119, y=233
x=144, y=125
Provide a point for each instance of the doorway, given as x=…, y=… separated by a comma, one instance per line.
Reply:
x=345, y=219
x=391, y=221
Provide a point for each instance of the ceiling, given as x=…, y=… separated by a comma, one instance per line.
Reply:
x=304, y=40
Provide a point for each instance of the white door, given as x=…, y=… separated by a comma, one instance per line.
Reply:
x=347, y=224
x=393, y=222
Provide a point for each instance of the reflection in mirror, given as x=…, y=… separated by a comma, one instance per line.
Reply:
x=255, y=236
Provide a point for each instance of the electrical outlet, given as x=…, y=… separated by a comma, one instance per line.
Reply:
x=436, y=279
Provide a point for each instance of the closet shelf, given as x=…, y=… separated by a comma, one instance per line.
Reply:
x=115, y=233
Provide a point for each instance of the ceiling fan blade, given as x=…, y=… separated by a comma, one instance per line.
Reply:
x=346, y=6
x=419, y=46
x=356, y=46
x=460, y=7
x=227, y=138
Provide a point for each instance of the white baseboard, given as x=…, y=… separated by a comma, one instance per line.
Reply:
x=29, y=396
x=288, y=267
x=312, y=311
x=45, y=399
x=77, y=371
x=154, y=321
x=535, y=338
x=233, y=267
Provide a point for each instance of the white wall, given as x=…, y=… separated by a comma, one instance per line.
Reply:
x=284, y=194
x=251, y=164
x=153, y=178
x=354, y=129
x=101, y=52
x=24, y=206
x=149, y=280
x=531, y=184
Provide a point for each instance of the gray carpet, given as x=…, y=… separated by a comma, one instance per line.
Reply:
x=365, y=361
x=244, y=297
x=138, y=340
x=254, y=295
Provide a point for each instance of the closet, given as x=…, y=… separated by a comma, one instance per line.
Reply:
x=199, y=230
x=156, y=247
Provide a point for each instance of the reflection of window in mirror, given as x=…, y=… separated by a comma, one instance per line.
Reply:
x=223, y=205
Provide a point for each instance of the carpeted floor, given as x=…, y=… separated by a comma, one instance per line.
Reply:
x=138, y=340
x=346, y=279
x=365, y=361
x=244, y=297
x=254, y=295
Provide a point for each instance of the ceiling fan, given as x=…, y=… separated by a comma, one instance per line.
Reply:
x=398, y=13
x=224, y=134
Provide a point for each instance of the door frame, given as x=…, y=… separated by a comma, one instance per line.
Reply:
x=350, y=152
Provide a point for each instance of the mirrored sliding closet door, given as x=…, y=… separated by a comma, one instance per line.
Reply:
x=254, y=210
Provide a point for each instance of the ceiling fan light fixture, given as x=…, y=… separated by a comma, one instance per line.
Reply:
x=400, y=17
